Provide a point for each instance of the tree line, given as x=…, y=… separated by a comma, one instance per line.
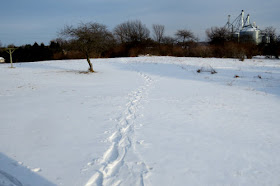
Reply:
x=133, y=38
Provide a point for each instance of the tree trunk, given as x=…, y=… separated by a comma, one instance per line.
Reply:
x=90, y=65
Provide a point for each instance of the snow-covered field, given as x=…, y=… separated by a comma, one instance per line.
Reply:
x=140, y=121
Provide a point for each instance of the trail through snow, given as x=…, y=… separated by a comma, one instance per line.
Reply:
x=115, y=166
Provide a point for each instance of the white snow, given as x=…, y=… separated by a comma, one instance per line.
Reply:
x=140, y=121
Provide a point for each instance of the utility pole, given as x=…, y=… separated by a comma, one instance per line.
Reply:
x=11, y=51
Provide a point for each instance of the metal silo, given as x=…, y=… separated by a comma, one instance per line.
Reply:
x=249, y=33
x=243, y=31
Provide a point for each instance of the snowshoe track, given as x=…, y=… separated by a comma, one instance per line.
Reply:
x=122, y=140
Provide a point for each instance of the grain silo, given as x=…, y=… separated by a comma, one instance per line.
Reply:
x=250, y=32
x=244, y=31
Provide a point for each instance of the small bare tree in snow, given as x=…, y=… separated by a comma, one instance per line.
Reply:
x=87, y=38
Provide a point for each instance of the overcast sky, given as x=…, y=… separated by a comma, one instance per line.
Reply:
x=27, y=21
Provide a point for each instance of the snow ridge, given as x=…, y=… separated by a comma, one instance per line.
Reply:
x=114, y=161
x=8, y=180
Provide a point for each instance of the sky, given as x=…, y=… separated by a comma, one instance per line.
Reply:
x=28, y=21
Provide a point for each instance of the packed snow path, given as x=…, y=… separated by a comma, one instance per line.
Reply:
x=116, y=169
x=152, y=121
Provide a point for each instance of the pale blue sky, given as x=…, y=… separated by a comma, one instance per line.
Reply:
x=27, y=21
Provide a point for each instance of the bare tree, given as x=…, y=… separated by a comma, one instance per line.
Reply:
x=272, y=48
x=168, y=40
x=131, y=31
x=218, y=35
x=87, y=38
x=158, y=32
x=270, y=32
x=185, y=36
